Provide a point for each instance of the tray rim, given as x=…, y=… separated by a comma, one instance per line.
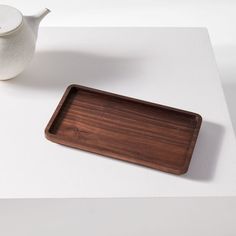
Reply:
x=179, y=171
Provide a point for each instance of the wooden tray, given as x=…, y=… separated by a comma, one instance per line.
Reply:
x=124, y=128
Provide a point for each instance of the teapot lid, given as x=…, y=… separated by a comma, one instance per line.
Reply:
x=10, y=19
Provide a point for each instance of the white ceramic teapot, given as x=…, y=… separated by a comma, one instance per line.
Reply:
x=18, y=35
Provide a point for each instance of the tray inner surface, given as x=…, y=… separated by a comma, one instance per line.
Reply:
x=142, y=133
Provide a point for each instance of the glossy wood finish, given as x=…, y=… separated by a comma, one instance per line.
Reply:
x=124, y=128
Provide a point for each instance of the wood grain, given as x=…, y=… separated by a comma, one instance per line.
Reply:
x=124, y=128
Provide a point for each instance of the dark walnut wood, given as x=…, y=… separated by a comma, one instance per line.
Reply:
x=124, y=128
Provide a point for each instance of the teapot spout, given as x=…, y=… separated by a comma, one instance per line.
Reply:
x=38, y=17
x=35, y=20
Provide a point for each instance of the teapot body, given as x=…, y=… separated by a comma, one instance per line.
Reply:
x=18, y=35
x=16, y=51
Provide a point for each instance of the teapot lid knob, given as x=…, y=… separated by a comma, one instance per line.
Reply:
x=10, y=19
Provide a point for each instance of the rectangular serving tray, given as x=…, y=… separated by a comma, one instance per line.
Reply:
x=125, y=128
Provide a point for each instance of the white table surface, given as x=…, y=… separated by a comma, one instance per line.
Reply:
x=171, y=66
x=180, y=216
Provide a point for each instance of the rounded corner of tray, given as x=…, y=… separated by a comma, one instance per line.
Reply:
x=71, y=86
x=199, y=118
x=47, y=134
x=180, y=171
